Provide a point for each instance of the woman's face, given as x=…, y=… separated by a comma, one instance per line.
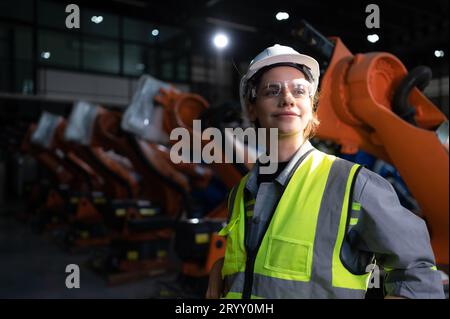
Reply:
x=282, y=101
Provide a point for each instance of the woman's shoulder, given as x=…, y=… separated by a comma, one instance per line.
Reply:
x=369, y=182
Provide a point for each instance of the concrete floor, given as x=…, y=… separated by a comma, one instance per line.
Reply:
x=33, y=266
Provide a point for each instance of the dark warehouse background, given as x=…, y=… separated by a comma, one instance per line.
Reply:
x=44, y=66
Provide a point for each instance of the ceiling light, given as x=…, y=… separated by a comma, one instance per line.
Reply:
x=282, y=16
x=220, y=40
x=45, y=55
x=97, y=19
x=373, y=38
x=438, y=53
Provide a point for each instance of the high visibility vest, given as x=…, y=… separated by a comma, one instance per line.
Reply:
x=299, y=256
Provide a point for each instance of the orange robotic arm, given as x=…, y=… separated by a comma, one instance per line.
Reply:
x=356, y=110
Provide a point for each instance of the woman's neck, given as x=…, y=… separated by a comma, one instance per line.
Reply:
x=288, y=146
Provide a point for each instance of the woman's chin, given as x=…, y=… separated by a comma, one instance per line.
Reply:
x=287, y=131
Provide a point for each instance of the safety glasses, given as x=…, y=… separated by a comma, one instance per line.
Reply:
x=299, y=88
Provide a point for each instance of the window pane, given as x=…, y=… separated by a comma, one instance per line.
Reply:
x=134, y=60
x=100, y=55
x=15, y=58
x=17, y=9
x=101, y=23
x=5, y=40
x=151, y=62
x=138, y=60
x=23, y=74
x=23, y=39
x=170, y=37
x=5, y=75
x=183, y=69
x=167, y=65
x=137, y=30
x=59, y=49
x=15, y=42
x=53, y=14
x=16, y=76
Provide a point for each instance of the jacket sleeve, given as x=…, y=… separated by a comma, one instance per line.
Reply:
x=398, y=239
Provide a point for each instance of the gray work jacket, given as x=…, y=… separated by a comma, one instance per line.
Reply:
x=386, y=231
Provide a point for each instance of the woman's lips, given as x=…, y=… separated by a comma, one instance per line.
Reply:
x=282, y=114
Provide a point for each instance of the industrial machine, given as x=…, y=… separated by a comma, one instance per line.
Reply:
x=73, y=179
x=371, y=102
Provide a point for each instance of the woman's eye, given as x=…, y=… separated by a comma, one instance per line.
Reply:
x=300, y=91
x=271, y=92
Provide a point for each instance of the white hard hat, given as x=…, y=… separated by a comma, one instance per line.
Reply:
x=279, y=54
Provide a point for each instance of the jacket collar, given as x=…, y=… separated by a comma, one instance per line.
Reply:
x=283, y=177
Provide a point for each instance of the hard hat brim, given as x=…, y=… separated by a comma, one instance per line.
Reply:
x=306, y=60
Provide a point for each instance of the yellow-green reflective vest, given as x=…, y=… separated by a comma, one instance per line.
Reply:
x=299, y=256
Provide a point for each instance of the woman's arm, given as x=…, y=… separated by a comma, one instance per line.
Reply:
x=398, y=238
x=215, y=285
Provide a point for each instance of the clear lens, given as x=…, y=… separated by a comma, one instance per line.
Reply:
x=299, y=88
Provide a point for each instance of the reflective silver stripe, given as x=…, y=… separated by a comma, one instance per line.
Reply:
x=275, y=288
x=235, y=282
x=326, y=234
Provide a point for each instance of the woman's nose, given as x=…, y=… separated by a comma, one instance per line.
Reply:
x=286, y=98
